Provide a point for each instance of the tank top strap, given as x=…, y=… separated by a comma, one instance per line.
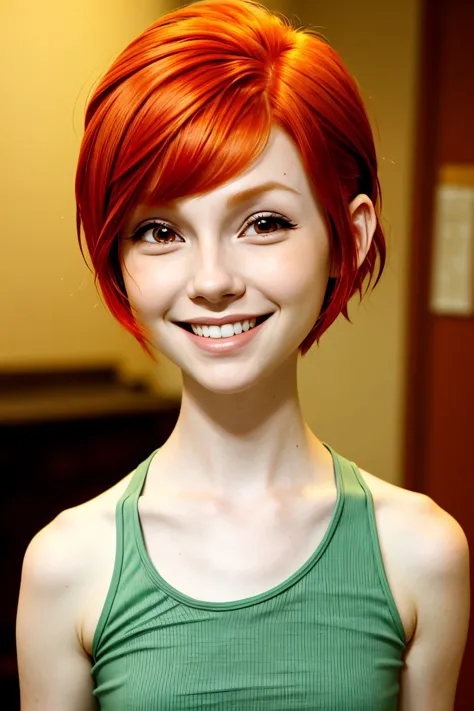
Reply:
x=349, y=474
x=126, y=561
x=358, y=532
x=127, y=507
x=137, y=480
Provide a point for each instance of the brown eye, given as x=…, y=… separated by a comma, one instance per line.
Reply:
x=267, y=224
x=155, y=233
x=163, y=235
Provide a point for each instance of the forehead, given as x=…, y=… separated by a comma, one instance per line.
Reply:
x=278, y=167
x=280, y=162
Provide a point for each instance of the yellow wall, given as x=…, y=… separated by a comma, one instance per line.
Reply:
x=352, y=387
x=52, y=53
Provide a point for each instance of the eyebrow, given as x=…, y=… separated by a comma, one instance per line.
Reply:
x=244, y=196
x=251, y=193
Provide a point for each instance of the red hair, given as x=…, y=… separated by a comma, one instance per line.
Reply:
x=190, y=103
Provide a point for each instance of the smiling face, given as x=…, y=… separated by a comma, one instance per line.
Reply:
x=256, y=245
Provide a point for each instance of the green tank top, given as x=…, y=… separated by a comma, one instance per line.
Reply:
x=329, y=638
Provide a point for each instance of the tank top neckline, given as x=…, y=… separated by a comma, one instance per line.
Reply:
x=133, y=494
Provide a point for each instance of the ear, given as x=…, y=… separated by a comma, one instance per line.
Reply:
x=364, y=222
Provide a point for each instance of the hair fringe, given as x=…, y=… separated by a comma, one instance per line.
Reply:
x=190, y=103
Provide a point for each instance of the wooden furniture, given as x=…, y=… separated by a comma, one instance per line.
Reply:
x=65, y=436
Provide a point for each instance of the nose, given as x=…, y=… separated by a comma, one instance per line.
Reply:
x=212, y=278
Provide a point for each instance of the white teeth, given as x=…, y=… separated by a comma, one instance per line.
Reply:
x=225, y=331
x=214, y=332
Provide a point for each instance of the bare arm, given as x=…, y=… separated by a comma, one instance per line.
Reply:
x=53, y=667
x=441, y=579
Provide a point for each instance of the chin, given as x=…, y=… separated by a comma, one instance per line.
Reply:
x=234, y=378
x=225, y=384
x=232, y=374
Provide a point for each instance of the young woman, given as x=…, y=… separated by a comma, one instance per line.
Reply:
x=227, y=190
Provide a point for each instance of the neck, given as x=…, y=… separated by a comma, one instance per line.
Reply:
x=242, y=444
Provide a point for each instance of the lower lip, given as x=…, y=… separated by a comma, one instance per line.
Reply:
x=224, y=345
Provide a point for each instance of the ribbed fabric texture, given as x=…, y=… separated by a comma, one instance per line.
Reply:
x=329, y=638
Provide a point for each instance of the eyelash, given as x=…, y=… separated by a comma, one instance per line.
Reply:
x=286, y=225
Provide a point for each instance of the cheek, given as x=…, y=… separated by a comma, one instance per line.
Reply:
x=149, y=288
x=294, y=274
x=298, y=275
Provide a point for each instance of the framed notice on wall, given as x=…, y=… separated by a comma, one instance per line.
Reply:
x=452, y=269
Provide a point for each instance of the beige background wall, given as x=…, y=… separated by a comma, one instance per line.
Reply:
x=54, y=52
x=352, y=386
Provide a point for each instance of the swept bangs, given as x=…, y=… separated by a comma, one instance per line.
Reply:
x=190, y=104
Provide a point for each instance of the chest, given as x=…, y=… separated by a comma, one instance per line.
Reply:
x=287, y=653
x=216, y=552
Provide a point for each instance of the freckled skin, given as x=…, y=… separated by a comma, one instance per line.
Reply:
x=213, y=270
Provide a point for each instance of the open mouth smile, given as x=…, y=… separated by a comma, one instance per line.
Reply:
x=224, y=338
x=226, y=330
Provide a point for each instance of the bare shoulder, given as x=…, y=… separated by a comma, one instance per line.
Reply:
x=427, y=560
x=66, y=550
x=61, y=567
x=434, y=535
x=424, y=542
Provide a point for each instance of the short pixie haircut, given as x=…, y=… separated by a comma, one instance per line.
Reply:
x=190, y=104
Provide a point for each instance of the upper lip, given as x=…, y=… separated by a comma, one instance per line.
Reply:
x=230, y=318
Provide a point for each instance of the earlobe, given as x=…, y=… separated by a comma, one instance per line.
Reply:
x=364, y=223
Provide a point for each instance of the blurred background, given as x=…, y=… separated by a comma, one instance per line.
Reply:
x=81, y=405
